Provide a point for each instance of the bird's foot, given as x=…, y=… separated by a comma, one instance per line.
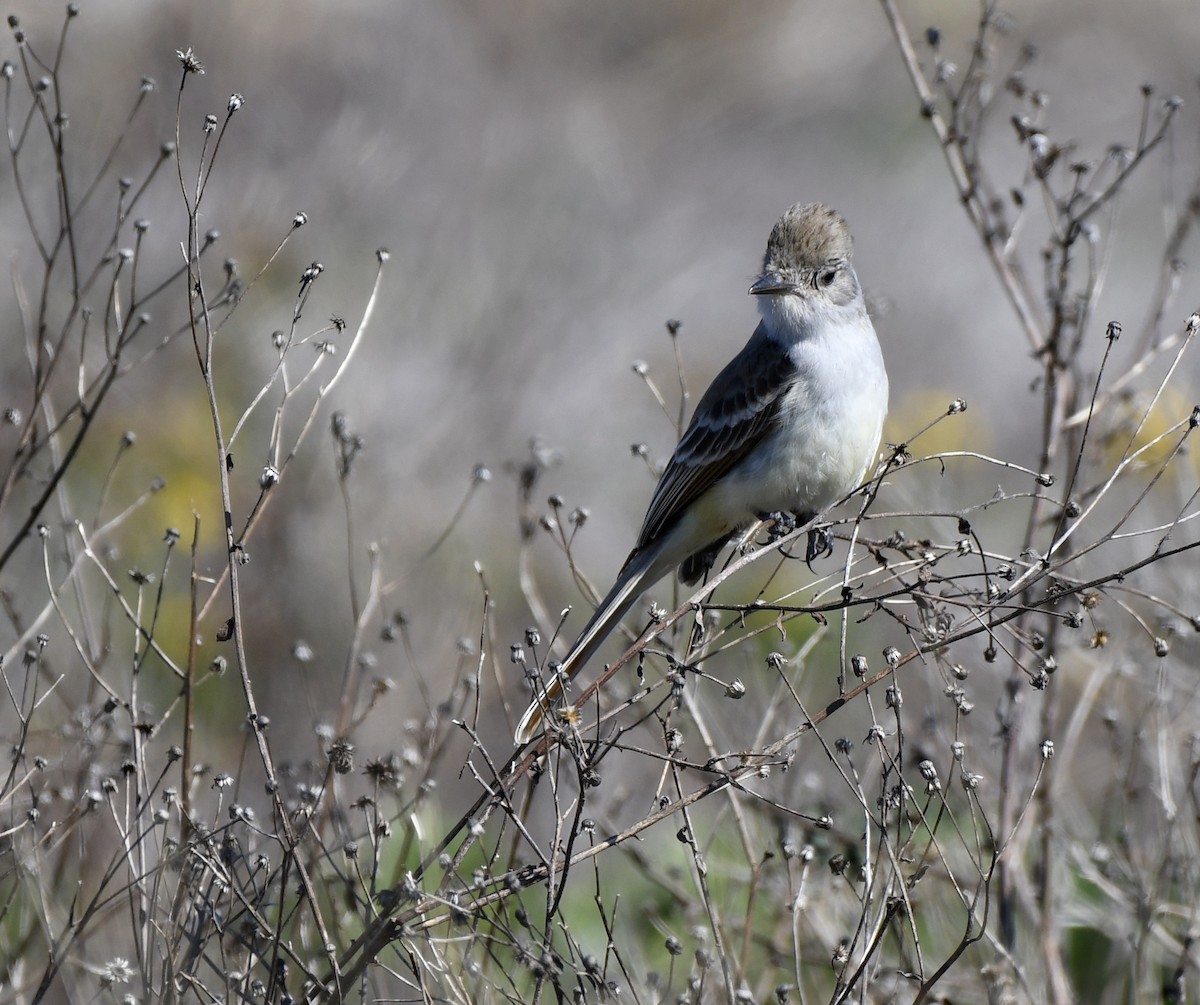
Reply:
x=820, y=545
x=820, y=540
x=782, y=524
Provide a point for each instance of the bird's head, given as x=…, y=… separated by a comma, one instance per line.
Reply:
x=808, y=256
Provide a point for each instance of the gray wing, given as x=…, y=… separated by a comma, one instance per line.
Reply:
x=737, y=411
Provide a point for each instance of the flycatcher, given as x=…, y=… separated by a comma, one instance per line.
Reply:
x=791, y=424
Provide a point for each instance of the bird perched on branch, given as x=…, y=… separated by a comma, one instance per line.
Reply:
x=791, y=424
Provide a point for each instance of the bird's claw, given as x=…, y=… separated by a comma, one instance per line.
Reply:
x=782, y=524
x=820, y=545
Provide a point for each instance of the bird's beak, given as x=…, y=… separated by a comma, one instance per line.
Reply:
x=770, y=282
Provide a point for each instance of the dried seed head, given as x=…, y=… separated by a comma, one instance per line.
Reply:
x=188, y=61
x=341, y=756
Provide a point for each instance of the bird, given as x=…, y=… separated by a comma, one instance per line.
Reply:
x=791, y=425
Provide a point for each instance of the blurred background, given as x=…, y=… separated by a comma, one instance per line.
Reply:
x=554, y=182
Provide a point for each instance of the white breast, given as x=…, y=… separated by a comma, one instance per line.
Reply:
x=830, y=426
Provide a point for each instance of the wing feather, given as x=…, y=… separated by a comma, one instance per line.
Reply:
x=737, y=411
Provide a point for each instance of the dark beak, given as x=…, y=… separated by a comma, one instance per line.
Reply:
x=770, y=282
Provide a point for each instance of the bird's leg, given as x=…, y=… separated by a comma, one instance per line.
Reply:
x=820, y=545
x=820, y=540
x=782, y=524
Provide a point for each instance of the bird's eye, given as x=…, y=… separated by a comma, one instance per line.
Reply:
x=827, y=277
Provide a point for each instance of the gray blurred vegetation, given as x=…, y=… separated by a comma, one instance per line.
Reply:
x=555, y=181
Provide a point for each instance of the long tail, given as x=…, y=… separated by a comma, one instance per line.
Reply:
x=640, y=571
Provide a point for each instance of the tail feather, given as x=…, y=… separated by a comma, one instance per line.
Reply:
x=639, y=572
